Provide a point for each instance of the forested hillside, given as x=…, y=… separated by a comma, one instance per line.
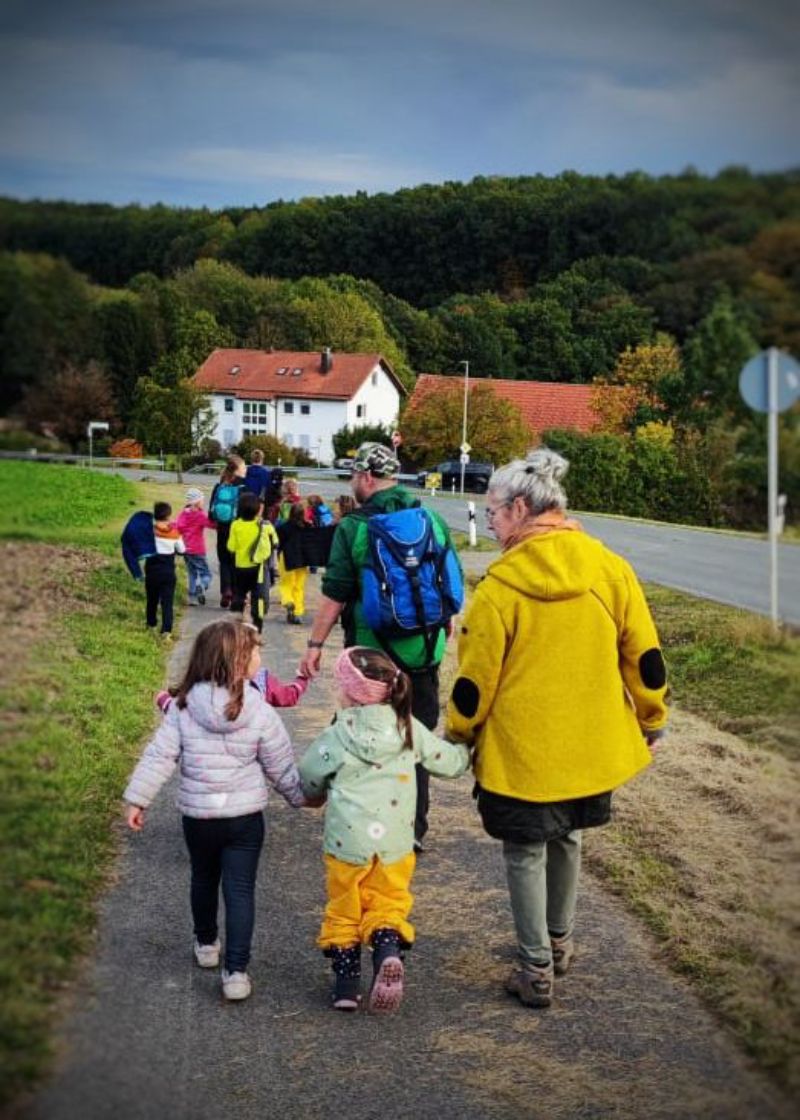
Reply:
x=664, y=285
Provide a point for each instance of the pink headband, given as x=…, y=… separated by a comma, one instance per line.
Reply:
x=354, y=684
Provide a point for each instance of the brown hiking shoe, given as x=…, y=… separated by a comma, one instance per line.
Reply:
x=563, y=952
x=532, y=986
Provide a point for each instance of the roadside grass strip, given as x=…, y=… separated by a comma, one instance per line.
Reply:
x=79, y=673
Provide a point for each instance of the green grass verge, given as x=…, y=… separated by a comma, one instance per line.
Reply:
x=484, y=544
x=79, y=707
x=728, y=666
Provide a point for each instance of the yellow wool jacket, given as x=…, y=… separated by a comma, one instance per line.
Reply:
x=560, y=672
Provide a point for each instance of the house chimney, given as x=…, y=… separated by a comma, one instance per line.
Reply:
x=326, y=360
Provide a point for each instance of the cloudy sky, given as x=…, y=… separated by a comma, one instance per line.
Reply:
x=205, y=102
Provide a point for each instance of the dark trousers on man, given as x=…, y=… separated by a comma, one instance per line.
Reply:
x=159, y=585
x=225, y=849
x=425, y=708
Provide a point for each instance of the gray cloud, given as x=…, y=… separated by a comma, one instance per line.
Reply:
x=198, y=97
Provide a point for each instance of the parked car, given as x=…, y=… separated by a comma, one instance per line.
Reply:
x=476, y=476
x=345, y=465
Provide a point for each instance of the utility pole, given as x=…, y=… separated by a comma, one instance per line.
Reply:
x=465, y=448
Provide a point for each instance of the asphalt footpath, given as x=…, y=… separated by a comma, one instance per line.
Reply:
x=147, y=1036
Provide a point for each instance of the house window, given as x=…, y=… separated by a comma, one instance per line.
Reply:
x=305, y=409
x=361, y=411
x=288, y=439
x=305, y=442
x=375, y=377
x=255, y=418
x=288, y=407
x=229, y=404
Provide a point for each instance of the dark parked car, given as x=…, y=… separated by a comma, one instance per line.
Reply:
x=476, y=476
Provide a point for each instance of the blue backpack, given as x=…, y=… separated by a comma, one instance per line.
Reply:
x=224, y=502
x=411, y=584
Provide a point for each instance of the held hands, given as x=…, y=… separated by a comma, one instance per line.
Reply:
x=135, y=817
x=310, y=663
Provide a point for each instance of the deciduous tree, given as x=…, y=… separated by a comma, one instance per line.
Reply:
x=432, y=427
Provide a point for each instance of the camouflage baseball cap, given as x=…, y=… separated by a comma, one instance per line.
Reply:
x=378, y=460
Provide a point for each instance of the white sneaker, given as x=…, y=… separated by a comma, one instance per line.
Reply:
x=207, y=956
x=235, y=985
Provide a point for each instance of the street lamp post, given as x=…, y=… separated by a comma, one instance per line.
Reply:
x=464, y=452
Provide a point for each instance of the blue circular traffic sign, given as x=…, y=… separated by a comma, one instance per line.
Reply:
x=754, y=381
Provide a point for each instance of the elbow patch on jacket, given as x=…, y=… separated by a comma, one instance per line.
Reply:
x=652, y=669
x=466, y=696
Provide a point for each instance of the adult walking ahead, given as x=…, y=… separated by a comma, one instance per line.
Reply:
x=375, y=488
x=223, y=510
x=561, y=687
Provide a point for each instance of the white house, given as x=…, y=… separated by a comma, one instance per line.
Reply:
x=301, y=398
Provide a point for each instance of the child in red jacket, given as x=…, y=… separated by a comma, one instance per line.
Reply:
x=191, y=523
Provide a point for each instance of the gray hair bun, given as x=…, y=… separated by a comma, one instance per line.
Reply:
x=546, y=464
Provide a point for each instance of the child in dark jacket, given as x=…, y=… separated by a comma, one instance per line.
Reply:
x=292, y=563
x=152, y=537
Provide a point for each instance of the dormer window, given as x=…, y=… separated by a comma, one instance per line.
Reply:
x=296, y=372
x=234, y=370
x=282, y=371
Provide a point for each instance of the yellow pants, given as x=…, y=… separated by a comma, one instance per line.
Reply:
x=366, y=897
x=292, y=587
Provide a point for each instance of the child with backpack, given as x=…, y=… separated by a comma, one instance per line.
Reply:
x=250, y=542
x=366, y=759
x=152, y=537
x=292, y=563
x=228, y=744
x=191, y=523
x=222, y=509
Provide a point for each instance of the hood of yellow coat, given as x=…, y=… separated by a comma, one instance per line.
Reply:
x=561, y=564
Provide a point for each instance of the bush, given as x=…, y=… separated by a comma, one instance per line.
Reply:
x=640, y=476
x=126, y=449
x=273, y=450
x=349, y=439
x=22, y=440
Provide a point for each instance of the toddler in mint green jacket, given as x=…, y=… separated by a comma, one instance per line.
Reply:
x=365, y=762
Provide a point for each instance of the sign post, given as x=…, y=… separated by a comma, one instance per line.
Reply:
x=471, y=526
x=92, y=427
x=770, y=382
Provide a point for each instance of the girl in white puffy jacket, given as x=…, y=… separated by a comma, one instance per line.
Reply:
x=228, y=744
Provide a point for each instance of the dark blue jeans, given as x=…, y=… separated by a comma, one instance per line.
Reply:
x=227, y=849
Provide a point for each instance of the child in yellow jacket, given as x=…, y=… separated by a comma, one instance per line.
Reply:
x=251, y=541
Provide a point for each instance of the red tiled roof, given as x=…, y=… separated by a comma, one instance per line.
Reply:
x=543, y=404
x=256, y=374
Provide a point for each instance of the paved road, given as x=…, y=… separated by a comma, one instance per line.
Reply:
x=728, y=567
x=149, y=1037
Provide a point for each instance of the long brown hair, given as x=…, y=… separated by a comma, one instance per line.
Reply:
x=378, y=667
x=232, y=468
x=220, y=655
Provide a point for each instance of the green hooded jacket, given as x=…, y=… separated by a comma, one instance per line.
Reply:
x=363, y=764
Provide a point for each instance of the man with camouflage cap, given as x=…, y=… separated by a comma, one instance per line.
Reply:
x=376, y=490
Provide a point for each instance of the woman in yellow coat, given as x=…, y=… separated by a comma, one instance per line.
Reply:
x=561, y=688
